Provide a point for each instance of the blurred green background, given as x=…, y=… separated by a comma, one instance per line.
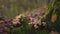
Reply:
x=11, y=8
